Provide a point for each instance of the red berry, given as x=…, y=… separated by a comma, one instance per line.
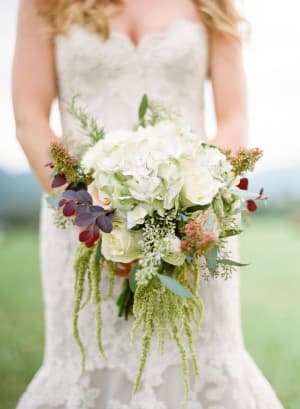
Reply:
x=251, y=205
x=243, y=185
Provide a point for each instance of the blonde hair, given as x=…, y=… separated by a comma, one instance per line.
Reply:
x=220, y=16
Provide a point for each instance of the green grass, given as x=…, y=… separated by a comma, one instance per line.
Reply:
x=269, y=293
x=271, y=302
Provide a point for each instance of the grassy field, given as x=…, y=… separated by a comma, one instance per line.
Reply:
x=269, y=293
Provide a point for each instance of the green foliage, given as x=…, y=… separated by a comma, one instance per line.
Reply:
x=87, y=123
x=143, y=109
x=87, y=265
x=160, y=311
x=125, y=300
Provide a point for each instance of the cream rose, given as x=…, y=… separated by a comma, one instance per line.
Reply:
x=199, y=187
x=121, y=245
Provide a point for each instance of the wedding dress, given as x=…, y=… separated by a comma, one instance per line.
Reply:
x=112, y=76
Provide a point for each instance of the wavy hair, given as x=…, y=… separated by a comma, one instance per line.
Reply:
x=220, y=16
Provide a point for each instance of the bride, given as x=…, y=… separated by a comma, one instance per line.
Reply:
x=112, y=52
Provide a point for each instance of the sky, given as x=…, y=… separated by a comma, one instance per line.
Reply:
x=272, y=62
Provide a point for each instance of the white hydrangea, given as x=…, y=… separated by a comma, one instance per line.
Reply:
x=155, y=169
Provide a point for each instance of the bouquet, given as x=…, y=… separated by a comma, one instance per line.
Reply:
x=155, y=206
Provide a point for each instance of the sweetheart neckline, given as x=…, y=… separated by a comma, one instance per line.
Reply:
x=145, y=38
x=156, y=34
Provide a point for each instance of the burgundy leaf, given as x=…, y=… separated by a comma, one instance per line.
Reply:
x=104, y=223
x=84, y=219
x=96, y=233
x=85, y=235
x=62, y=202
x=251, y=205
x=90, y=243
x=69, y=208
x=58, y=180
x=243, y=185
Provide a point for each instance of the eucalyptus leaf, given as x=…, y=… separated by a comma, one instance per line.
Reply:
x=209, y=224
x=174, y=286
x=211, y=259
x=227, y=262
x=53, y=201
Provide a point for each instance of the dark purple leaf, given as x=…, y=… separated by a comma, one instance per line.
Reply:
x=104, y=223
x=84, y=196
x=97, y=210
x=69, y=208
x=82, y=209
x=58, y=180
x=70, y=194
x=111, y=214
x=84, y=219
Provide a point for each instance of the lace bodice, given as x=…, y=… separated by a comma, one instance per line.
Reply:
x=112, y=76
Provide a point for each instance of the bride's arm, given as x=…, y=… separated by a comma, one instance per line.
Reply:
x=229, y=89
x=34, y=89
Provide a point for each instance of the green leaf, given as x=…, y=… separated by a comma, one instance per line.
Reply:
x=143, y=108
x=230, y=232
x=182, y=220
x=166, y=267
x=99, y=251
x=193, y=209
x=211, y=259
x=132, y=280
x=227, y=262
x=174, y=286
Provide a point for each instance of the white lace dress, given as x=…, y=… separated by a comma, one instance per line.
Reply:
x=112, y=76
